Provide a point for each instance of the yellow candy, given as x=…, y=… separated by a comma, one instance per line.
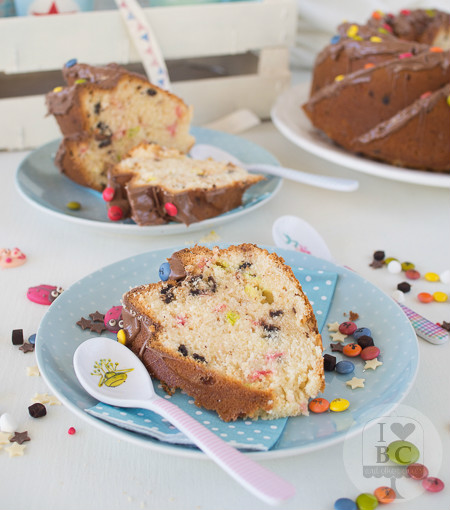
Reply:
x=339, y=77
x=57, y=89
x=431, y=277
x=121, y=336
x=339, y=404
x=441, y=297
x=80, y=80
x=352, y=30
x=375, y=38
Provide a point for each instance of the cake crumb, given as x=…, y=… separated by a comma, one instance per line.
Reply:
x=33, y=371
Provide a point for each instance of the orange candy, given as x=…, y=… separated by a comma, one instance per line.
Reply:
x=425, y=297
x=352, y=350
x=436, y=49
x=318, y=405
x=384, y=494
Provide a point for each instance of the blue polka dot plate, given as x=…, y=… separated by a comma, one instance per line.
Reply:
x=42, y=185
x=384, y=388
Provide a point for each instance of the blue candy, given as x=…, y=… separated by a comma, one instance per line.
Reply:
x=345, y=504
x=335, y=39
x=71, y=62
x=32, y=339
x=344, y=367
x=164, y=271
x=361, y=332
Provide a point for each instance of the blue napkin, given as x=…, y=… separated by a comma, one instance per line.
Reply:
x=258, y=435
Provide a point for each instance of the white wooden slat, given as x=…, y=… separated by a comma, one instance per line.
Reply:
x=46, y=42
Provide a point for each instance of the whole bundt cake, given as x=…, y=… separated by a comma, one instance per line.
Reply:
x=375, y=85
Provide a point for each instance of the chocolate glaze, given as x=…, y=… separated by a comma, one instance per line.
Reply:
x=146, y=203
x=177, y=271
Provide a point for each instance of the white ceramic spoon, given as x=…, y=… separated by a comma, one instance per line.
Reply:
x=293, y=233
x=204, y=151
x=127, y=383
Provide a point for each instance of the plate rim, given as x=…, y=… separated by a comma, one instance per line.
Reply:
x=151, y=230
x=311, y=140
x=192, y=452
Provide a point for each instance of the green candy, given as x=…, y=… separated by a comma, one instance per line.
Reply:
x=366, y=501
x=73, y=206
x=403, y=453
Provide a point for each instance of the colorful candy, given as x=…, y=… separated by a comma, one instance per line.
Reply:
x=432, y=484
x=108, y=194
x=113, y=319
x=370, y=352
x=164, y=271
x=417, y=471
x=366, y=501
x=352, y=350
x=425, y=297
x=11, y=258
x=171, y=209
x=384, y=494
x=431, y=277
x=339, y=404
x=73, y=206
x=345, y=504
x=115, y=213
x=361, y=332
x=318, y=405
x=348, y=328
x=345, y=367
x=43, y=294
x=402, y=452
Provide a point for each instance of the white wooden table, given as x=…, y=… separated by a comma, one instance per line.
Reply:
x=91, y=470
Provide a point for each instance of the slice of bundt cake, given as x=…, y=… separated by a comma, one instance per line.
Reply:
x=395, y=141
x=232, y=328
x=104, y=112
x=155, y=185
x=353, y=105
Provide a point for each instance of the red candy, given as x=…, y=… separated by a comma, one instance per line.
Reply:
x=412, y=274
x=432, y=484
x=370, y=352
x=115, y=213
x=347, y=328
x=71, y=431
x=417, y=471
x=108, y=194
x=425, y=297
x=171, y=209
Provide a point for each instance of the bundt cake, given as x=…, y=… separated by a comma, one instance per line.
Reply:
x=104, y=112
x=368, y=74
x=155, y=185
x=230, y=327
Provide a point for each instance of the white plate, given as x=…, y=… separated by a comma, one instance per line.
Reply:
x=41, y=184
x=291, y=121
x=58, y=337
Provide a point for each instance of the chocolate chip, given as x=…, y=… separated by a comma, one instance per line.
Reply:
x=386, y=99
x=17, y=336
x=276, y=313
x=104, y=143
x=182, y=349
x=245, y=265
x=365, y=341
x=97, y=108
x=37, y=410
x=329, y=362
x=167, y=294
x=151, y=92
x=379, y=255
x=270, y=331
x=198, y=357
x=404, y=286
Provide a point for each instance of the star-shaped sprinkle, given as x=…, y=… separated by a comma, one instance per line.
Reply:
x=372, y=363
x=338, y=336
x=4, y=437
x=84, y=323
x=333, y=326
x=355, y=383
x=45, y=398
x=337, y=347
x=26, y=347
x=20, y=437
x=97, y=316
x=33, y=371
x=97, y=327
x=15, y=450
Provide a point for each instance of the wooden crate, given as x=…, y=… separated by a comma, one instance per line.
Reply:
x=256, y=34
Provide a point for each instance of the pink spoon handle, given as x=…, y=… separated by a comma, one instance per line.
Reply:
x=425, y=328
x=255, y=478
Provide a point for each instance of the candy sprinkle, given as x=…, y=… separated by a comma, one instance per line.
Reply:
x=73, y=206
x=71, y=431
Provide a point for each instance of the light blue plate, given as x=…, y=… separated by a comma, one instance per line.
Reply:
x=40, y=183
x=58, y=337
